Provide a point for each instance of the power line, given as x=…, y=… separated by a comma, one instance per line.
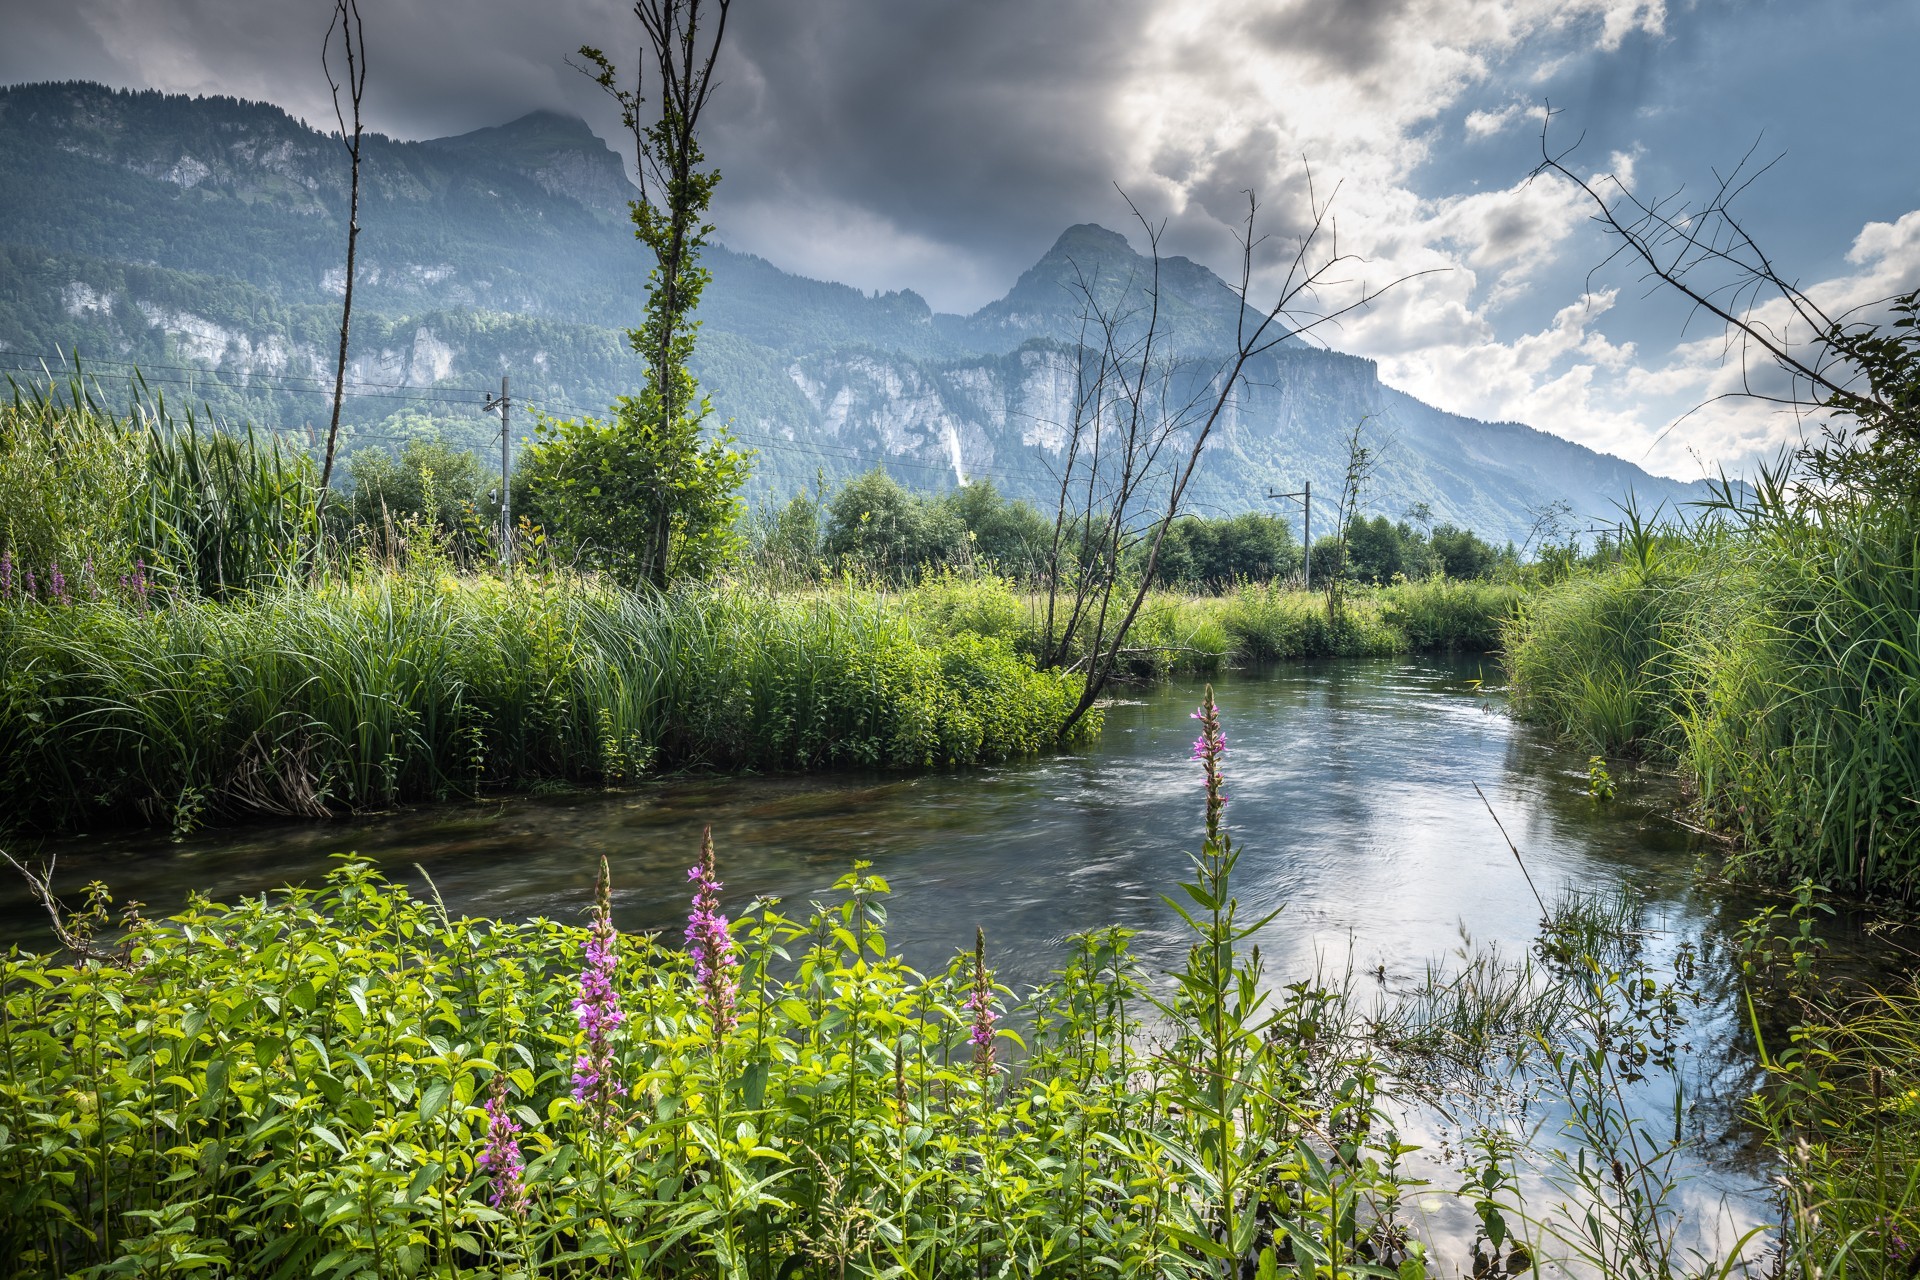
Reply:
x=257, y=381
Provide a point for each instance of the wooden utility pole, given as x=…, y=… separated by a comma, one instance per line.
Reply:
x=504, y=402
x=1305, y=498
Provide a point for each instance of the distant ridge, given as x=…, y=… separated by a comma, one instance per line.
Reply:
x=200, y=239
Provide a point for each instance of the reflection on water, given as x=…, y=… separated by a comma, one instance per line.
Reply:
x=1351, y=788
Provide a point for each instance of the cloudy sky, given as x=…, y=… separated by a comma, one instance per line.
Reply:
x=942, y=145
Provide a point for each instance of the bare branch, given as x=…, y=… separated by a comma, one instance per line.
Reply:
x=40, y=884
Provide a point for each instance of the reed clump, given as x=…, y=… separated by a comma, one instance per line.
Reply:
x=1769, y=652
x=397, y=685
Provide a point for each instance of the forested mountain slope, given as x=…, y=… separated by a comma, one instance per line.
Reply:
x=202, y=240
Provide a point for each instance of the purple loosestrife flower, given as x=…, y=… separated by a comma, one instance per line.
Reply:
x=500, y=1159
x=980, y=1002
x=6, y=575
x=1209, y=749
x=598, y=1009
x=56, y=582
x=715, y=967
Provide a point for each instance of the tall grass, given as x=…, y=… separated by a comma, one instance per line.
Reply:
x=404, y=685
x=1774, y=654
x=101, y=496
x=1251, y=625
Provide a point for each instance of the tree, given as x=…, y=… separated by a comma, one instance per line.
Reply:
x=644, y=499
x=639, y=488
x=430, y=482
x=1461, y=554
x=1141, y=422
x=1862, y=363
x=875, y=524
x=1361, y=462
x=346, y=20
x=1009, y=536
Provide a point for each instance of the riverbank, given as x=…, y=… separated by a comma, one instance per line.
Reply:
x=396, y=685
x=1769, y=653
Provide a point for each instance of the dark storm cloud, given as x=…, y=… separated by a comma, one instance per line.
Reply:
x=1349, y=35
x=983, y=125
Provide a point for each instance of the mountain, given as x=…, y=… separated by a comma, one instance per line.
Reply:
x=201, y=240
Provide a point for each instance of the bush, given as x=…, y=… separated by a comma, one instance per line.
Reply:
x=428, y=485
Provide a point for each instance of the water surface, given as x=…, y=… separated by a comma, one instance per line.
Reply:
x=1352, y=788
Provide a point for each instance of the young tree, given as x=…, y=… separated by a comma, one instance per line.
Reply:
x=353, y=41
x=645, y=479
x=1361, y=462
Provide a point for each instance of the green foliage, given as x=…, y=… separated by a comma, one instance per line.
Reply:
x=645, y=497
x=1771, y=654
x=981, y=605
x=142, y=495
x=307, y=1083
x=1841, y=1102
x=1217, y=554
x=1003, y=535
x=877, y=526
x=1461, y=555
x=1595, y=657
x=429, y=484
x=353, y=694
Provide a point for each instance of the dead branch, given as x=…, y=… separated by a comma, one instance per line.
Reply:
x=41, y=886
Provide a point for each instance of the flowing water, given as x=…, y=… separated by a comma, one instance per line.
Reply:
x=1352, y=796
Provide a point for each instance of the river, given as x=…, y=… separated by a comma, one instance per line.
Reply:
x=1353, y=798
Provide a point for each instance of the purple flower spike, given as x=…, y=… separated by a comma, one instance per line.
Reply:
x=501, y=1159
x=1209, y=749
x=980, y=1002
x=710, y=943
x=598, y=1009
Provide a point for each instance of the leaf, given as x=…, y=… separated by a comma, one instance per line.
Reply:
x=433, y=1098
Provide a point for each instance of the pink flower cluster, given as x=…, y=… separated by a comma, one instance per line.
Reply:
x=709, y=942
x=598, y=1009
x=501, y=1159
